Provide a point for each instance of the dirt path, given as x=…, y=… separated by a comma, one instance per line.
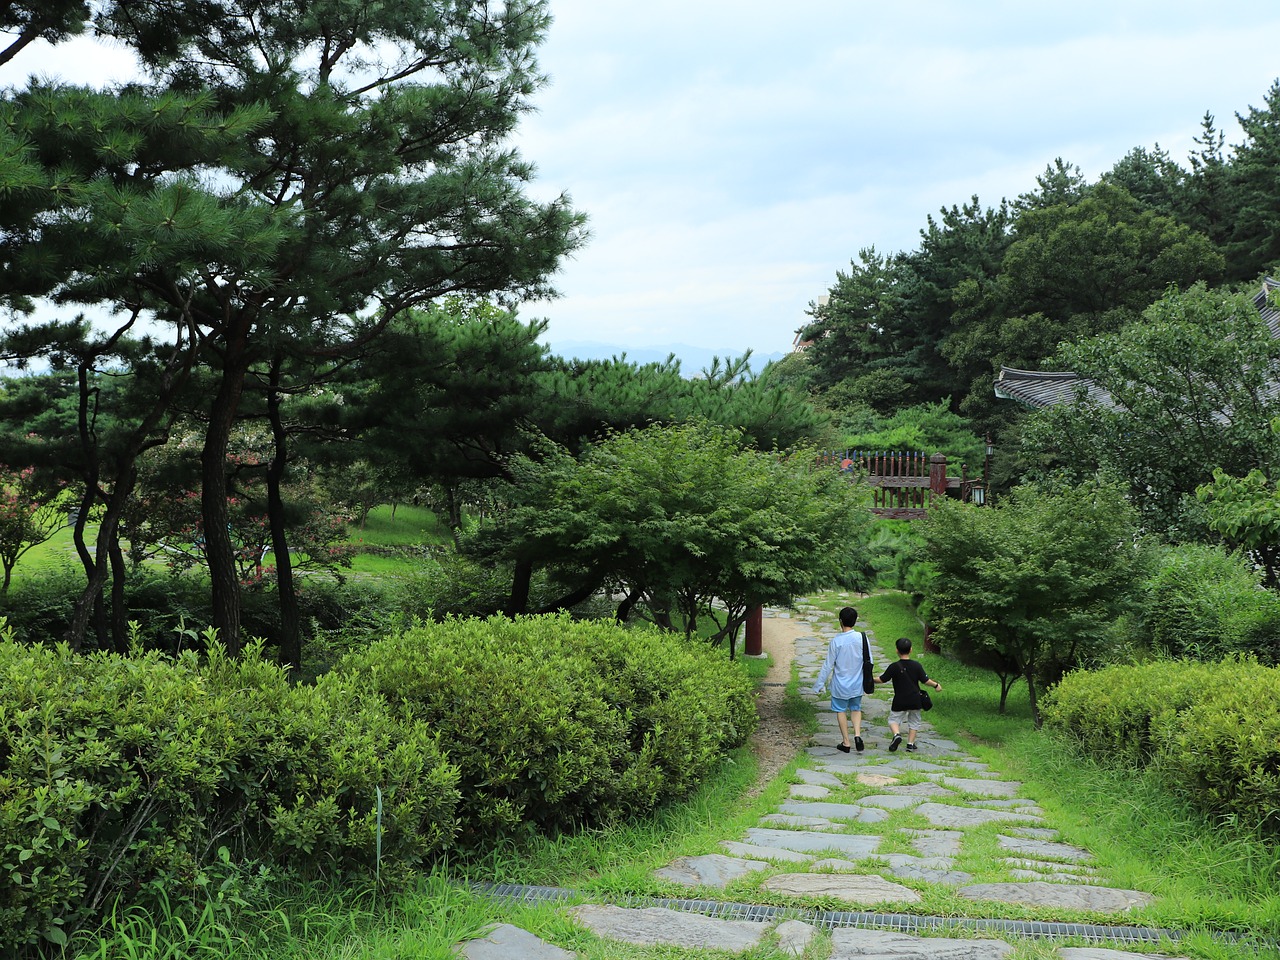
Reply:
x=776, y=739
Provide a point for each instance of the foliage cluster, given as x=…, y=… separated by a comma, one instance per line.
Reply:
x=1204, y=603
x=1023, y=588
x=140, y=777
x=131, y=775
x=1211, y=730
x=927, y=427
x=163, y=607
x=687, y=519
x=556, y=723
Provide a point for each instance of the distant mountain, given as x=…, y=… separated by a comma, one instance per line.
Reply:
x=693, y=360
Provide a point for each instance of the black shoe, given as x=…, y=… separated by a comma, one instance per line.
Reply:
x=895, y=742
x=857, y=742
x=911, y=747
x=842, y=748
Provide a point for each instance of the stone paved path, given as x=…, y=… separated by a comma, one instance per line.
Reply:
x=832, y=838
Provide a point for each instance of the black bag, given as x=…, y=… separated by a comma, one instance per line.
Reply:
x=926, y=702
x=868, y=677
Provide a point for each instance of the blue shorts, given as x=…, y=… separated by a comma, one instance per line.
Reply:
x=841, y=704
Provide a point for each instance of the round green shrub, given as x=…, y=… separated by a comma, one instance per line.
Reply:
x=1211, y=731
x=555, y=723
x=127, y=776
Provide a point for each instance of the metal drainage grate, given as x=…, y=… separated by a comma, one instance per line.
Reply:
x=831, y=919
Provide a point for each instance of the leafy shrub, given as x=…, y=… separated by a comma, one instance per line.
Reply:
x=128, y=776
x=1212, y=731
x=1205, y=603
x=1117, y=711
x=555, y=723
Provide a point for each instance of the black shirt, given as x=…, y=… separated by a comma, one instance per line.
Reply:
x=907, y=675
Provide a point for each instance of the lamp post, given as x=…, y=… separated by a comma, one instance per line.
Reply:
x=986, y=471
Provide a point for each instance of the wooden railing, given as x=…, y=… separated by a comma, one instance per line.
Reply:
x=904, y=483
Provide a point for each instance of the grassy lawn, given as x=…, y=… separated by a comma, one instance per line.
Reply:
x=1207, y=877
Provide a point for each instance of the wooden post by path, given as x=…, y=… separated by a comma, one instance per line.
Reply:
x=938, y=475
x=755, y=625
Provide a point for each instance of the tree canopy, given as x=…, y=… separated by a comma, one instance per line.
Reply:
x=684, y=520
x=1026, y=588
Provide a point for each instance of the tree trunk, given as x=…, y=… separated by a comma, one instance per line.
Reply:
x=290, y=632
x=119, y=612
x=224, y=586
x=518, y=601
x=628, y=603
x=1029, y=675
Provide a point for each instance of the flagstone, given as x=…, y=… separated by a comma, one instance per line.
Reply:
x=984, y=788
x=946, y=815
x=751, y=851
x=1041, y=893
x=936, y=843
x=853, y=844
x=794, y=936
x=506, y=941
x=709, y=870
x=808, y=791
x=818, y=778
x=878, y=780
x=921, y=790
x=833, y=811
x=652, y=926
x=1044, y=848
x=850, y=888
x=849, y=943
x=893, y=801
x=1048, y=866
x=811, y=823
x=1050, y=878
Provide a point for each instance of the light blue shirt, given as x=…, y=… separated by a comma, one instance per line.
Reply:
x=843, y=665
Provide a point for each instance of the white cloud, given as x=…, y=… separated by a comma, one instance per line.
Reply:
x=734, y=154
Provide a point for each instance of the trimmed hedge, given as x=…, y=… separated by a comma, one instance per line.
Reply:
x=128, y=776
x=1211, y=730
x=134, y=778
x=555, y=723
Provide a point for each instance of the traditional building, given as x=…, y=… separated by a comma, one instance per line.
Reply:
x=1039, y=388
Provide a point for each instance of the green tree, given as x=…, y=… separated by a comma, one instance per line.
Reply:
x=1031, y=584
x=1074, y=270
x=1253, y=242
x=30, y=513
x=1192, y=390
x=1245, y=512
x=684, y=521
x=24, y=21
x=378, y=180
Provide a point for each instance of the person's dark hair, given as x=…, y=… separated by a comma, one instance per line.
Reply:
x=903, y=644
x=848, y=616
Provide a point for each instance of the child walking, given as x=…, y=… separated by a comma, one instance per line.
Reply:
x=906, y=675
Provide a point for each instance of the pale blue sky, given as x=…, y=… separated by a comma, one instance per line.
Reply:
x=732, y=156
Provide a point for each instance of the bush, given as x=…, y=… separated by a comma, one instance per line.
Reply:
x=1204, y=603
x=129, y=776
x=1212, y=731
x=557, y=723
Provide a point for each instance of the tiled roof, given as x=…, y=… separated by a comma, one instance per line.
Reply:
x=1037, y=388
x=1043, y=388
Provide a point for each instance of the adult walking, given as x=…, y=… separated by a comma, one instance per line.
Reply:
x=849, y=667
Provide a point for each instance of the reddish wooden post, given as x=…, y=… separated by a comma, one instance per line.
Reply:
x=755, y=624
x=937, y=475
x=929, y=645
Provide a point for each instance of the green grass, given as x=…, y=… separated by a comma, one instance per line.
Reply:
x=409, y=526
